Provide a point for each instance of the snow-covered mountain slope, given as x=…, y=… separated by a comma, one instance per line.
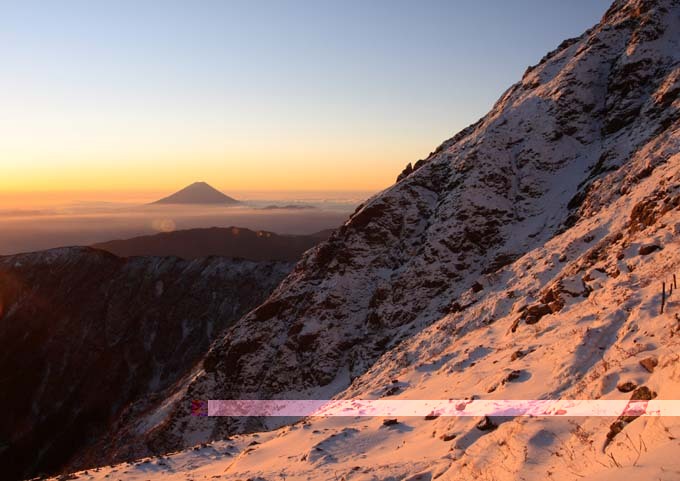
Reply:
x=542, y=203
x=606, y=281
x=86, y=335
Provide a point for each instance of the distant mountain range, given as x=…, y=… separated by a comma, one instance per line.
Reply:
x=217, y=241
x=197, y=193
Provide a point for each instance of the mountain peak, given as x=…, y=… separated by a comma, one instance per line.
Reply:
x=622, y=10
x=197, y=193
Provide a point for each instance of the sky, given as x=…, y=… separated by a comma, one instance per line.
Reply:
x=138, y=96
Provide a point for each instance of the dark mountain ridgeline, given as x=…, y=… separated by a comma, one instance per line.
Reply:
x=217, y=241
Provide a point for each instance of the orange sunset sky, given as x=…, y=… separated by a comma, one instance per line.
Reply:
x=116, y=100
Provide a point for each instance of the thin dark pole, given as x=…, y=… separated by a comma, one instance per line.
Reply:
x=663, y=295
x=675, y=282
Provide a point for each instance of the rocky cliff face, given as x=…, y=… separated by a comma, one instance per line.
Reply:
x=582, y=129
x=86, y=336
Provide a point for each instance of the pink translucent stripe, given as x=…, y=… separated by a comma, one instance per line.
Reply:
x=381, y=407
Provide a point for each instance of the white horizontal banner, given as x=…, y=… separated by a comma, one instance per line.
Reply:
x=433, y=408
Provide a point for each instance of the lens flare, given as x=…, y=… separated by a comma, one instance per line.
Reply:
x=163, y=225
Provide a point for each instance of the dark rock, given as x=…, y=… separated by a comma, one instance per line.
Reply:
x=643, y=214
x=486, y=424
x=391, y=391
x=643, y=393
x=517, y=355
x=644, y=173
x=448, y=437
x=368, y=214
x=538, y=310
x=512, y=376
x=455, y=307
x=627, y=386
x=390, y=422
x=307, y=342
x=615, y=428
x=555, y=307
x=648, y=249
x=548, y=297
x=408, y=170
x=649, y=363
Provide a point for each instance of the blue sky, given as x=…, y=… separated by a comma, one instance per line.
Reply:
x=255, y=94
